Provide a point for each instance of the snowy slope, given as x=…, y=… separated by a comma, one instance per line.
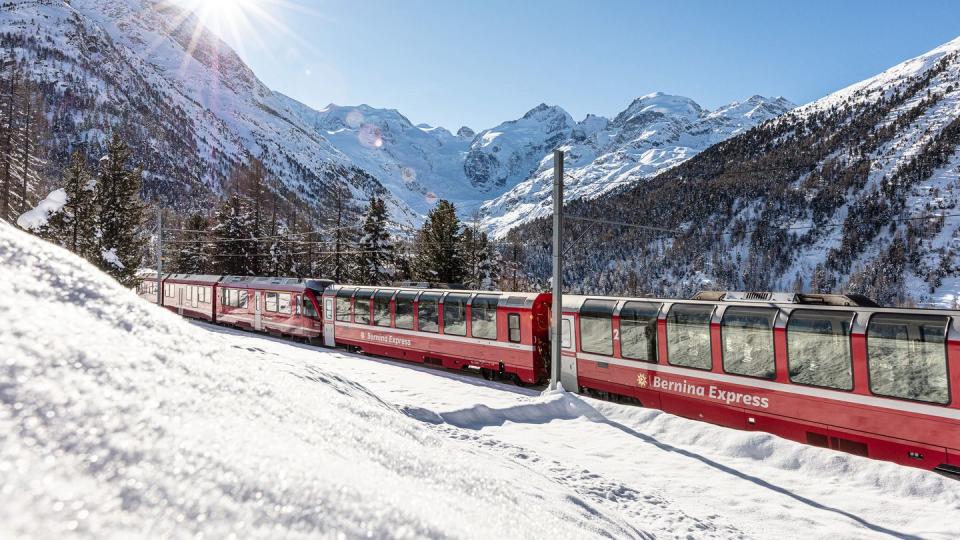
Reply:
x=124, y=420
x=655, y=132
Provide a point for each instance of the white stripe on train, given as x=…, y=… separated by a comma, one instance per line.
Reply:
x=859, y=399
x=432, y=335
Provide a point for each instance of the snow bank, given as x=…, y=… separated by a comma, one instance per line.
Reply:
x=118, y=419
x=36, y=218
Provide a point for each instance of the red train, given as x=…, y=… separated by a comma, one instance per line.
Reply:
x=832, y=371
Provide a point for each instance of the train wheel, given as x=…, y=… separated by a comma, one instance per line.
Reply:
x=518, y=381
x=487, y=374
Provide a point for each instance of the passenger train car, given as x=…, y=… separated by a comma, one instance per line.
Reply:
x=830, y=371
x=279, y=306
x=503, y=335
x=833, y=371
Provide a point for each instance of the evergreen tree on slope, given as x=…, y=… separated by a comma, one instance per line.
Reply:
x=438, y=246
x=236, y=228
x=375, y=257
x=193, y=256
x=120, y=219
x=74, y=225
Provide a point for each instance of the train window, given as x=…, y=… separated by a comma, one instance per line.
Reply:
x=483, y=317
x=234, y=298
x=428, y=314
x=403, y=310
x=344, y=307
x=455, y=314
x=818, y=348
x=189, y=293
x=242, y=299
x=513, y=327
x=638, y=331
x=361, y=307
x=284, y=303
x=381, y=308
x=596, y=326
x=907, y=356
x=565, y=332
x=272, y=302
x=688, y=336
x=748, y=341
x=308, y=309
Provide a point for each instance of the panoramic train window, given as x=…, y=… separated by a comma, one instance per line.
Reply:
x=483, y=317
x=361, y=306
x=688, y=335
x=748, y=341
x=271, y=303
x=428, y=313
x=907, y=355
x=284, y=303
x=455, y=314
x=818, y=348
x=343, y=304
x=638, y=331
x=381, y=308
x=242, y=299
x=513, y=327
x=596, y=326
x=403, y=316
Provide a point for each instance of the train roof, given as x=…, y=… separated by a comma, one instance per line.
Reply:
x=205, y=279
x=278, y=283
x=506, y=299
x=854, y=302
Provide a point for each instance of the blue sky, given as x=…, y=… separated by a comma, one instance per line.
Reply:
x=479, y=63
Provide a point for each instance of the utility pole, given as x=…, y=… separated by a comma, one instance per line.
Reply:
x=159, y=256
x=557, y=312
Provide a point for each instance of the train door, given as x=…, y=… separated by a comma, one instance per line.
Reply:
x=257, y=311
x=328, y=326
x=568, y=354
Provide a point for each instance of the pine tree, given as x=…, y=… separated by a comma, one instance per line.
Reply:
x=343, y=217
x=237, y=251
x=438, y=246
x=74, y=225
x=23, y=128
x=282, y=250
x=120, y=218
x=193, y=256
x=375, y=255
x=479, y=258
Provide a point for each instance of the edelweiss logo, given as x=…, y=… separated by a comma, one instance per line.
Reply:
x=642, y=380
x=363, y=335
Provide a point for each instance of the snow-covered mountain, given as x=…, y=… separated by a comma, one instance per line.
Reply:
x=194, y=111
x=855, y=192
x=655, y=132
x=185, y=101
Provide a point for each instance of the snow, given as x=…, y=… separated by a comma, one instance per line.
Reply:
x=120, y=419
x=37, y=217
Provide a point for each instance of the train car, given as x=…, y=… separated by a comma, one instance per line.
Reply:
x=503, y=335
x=279, y=306
x=149, y=285
x=191, y=295
x=830, y=371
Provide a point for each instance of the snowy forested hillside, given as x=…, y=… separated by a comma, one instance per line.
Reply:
x=855, y=192
x=193, y=112
x=123, y=420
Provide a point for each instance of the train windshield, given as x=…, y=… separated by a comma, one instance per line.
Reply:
x=308, y=308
